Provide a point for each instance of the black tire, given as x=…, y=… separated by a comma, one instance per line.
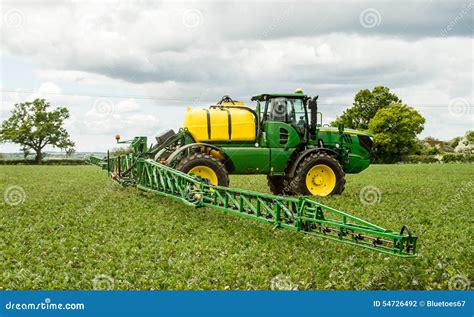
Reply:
x=279, y=185
x=299, y=181
x=201, y=159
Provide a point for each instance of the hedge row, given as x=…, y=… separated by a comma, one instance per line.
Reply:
x=44, y=162
x=451, y=157
x=446, y=158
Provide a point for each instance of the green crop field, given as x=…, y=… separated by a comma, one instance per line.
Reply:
x=65, y=227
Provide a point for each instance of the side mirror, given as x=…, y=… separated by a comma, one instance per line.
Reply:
x=313, y=107
x=340, y=128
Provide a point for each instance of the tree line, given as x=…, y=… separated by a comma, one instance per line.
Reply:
x=393, y=124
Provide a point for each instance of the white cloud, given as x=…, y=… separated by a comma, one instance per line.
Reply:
x=49, y=88
x=97, y=123
x=126, y=106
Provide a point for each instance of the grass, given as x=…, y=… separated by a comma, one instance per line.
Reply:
x=77, y=230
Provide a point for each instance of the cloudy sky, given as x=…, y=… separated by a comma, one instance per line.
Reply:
x=134, y=66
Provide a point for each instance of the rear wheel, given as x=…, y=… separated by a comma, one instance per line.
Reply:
x=205, y=166
x=319, y=174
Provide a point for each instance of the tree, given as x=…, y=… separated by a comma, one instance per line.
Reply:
x=365, y=106
x=26, y=152
x=70, y=152
x=33, y=125
x=454, y=142
x=466, y=144
x=394, y=130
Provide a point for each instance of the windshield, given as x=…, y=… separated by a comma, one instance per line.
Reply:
x=289, y=110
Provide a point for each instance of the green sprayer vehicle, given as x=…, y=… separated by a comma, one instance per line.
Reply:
x=283, y=138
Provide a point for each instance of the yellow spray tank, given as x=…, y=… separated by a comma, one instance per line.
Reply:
x=227, y=121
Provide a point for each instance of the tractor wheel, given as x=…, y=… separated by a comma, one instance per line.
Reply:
x=320, y=175
x=279, y=185
x=206, y=167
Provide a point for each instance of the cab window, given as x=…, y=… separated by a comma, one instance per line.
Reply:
x=287, y=110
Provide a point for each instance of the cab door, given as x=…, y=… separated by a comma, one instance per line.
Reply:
x=280, y=135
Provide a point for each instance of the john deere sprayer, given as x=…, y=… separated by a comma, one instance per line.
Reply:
x=281, y=137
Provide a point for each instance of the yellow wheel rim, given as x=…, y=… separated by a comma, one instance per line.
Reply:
x=320, y=180
x=205, y=172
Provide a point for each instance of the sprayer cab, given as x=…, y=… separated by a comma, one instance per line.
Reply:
x=296, y=109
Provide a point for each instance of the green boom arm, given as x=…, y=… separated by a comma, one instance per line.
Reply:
x=293, y=213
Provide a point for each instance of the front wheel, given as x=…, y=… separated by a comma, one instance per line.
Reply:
x=205, y=166
x=320, y=175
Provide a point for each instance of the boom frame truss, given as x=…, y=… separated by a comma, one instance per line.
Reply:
x=292, y=213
